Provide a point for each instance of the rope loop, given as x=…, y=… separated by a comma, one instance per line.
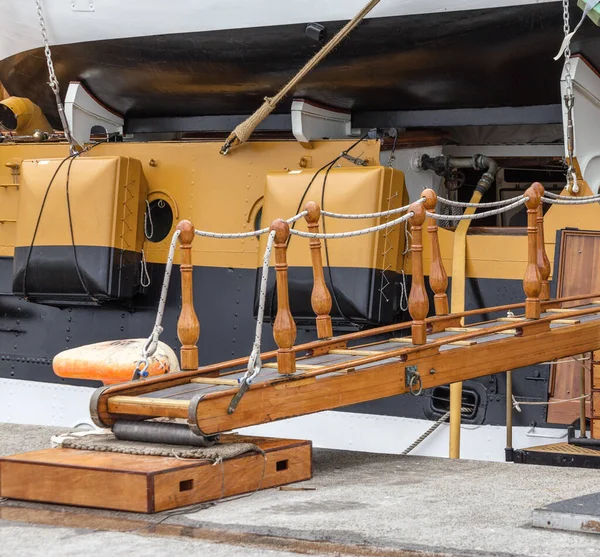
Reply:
x=415, y=379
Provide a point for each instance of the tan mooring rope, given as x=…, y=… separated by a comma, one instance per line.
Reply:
x=244, y=130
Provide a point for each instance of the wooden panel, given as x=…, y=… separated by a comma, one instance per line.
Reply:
x=148, y=483
x=578, y=264
x=596, y=404
x=240, y=475
x=74, y=486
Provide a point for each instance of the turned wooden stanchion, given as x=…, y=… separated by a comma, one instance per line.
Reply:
x=418, y=303
x=284, y=328
x=543, y=262
x=188, y=326
x=320, y=298
x=532, y=282
x=438, y=278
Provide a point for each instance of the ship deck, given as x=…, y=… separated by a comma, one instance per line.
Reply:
x=357, y=504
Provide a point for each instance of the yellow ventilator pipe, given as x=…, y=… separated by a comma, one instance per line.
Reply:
x=459, y=270
x=20, y=115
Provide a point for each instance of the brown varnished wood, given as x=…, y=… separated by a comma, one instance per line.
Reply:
x=407, y=356
x=418, y=302
x=576, y=274
x=316, y=347
x=263, y=403
x=438, y=278
x=188, y=326
x=543, y=262
x=320, y=298
x=532, y=281
x=284, y=328
x=149, y=484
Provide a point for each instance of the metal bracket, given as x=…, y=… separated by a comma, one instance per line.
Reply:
x=412, y=379
x=193, y=422
x=94, y=401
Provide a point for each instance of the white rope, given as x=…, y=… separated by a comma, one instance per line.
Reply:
x=464, y=204
x=474, y=216
x=557, y=196
x=369, y=215
x=518, y=403
x=238, y=235
x=152, y=343
x=573, y=201
x=338, y=235
x=254, y=363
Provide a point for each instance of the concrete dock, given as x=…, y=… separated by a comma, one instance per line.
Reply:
x=359, y=504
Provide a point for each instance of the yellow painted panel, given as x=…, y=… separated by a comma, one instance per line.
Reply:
x=107, y=201
x=348, y=190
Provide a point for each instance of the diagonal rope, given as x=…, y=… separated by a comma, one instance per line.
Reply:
x=243, y=131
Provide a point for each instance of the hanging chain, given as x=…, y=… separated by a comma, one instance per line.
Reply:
x=53, y=83
x=569, y=99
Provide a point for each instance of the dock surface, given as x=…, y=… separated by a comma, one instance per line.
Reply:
x=361, y=505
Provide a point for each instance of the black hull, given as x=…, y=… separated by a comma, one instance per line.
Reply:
x=32, y=334
x=472, y=59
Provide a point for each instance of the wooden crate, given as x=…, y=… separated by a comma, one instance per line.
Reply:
x=149, y=484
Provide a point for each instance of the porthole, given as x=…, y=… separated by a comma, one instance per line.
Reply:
x=158, y=220
x=258, y=220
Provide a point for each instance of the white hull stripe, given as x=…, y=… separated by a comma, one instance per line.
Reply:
x=49, y=404
x=118, y=19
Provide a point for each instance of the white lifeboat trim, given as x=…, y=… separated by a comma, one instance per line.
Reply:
x=118, y=19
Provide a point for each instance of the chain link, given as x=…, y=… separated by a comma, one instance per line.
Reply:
x=53, y=80
x=569, y=99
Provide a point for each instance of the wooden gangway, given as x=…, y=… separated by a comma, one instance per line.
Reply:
x=337, y=371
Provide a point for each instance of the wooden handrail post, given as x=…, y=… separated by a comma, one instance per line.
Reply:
x=543, y=262
x=284, y=328
x=188, y=326
x=438, y=278
x=320, y=299
x=532, y=282
x=418, y=303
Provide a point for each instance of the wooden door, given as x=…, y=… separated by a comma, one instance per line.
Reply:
x=578, y=273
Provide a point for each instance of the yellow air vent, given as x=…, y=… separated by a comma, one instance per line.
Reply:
x=79, y=229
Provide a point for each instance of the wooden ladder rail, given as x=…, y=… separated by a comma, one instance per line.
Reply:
x=188, y=326
x=438, y=278
x=532, y=281
x=418, y=302
x=284, y=327
x=320, y=299
x=543, y=262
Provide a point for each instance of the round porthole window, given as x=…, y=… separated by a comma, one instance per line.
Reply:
x=158, y=220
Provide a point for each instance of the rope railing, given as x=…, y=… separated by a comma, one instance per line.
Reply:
x=368, y=215
x=557, y=196
x=475, y=216
x=588, y=200
x=465, y=204
x=284, y=328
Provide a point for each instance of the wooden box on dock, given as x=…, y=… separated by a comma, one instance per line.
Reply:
x=149, y=484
